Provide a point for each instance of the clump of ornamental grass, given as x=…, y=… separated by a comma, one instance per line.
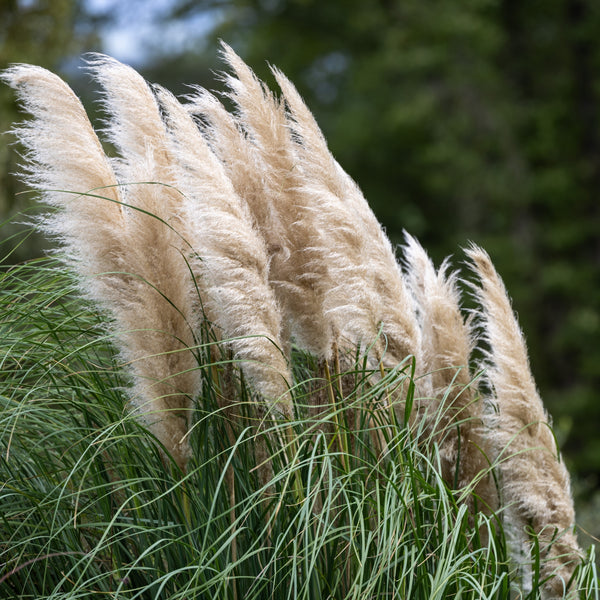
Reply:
x=88, y=507
x=316, y=399
x=156, y=258
x=123, y=239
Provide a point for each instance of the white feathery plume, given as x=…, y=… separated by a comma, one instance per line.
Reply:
x=447, y=342
x=256, y=151
x=534, y=480
x=337, y=271
x=107, y=245
x=239, y=159
x=365, y=289
x=65, y=161
x=164, y=364
x=232, y=258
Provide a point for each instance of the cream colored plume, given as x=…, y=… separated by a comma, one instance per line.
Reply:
x=332, y=266
x=455, y=420
x=364, y=290
x=256, y=150
x=534, y=480
x=129, y=261
x=232, y=259
x=65, y=161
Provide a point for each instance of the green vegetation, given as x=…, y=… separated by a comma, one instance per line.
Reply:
x=350, y=505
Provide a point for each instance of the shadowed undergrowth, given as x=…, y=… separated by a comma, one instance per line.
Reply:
x=351, y=503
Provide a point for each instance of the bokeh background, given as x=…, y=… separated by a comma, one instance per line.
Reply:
x=460, y=120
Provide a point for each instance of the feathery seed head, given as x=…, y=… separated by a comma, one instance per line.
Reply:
x=233, y=258
x=535, y=481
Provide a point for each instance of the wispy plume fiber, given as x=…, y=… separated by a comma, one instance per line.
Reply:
x=232, y=259
x=331, y=264
x=64, y=159
x=534, y=480
x=157, y=254
x=456, y=416
x=259, y=134
x=127, y=259
x=364, y=291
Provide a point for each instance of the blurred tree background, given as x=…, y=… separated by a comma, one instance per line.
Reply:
x=473, y=120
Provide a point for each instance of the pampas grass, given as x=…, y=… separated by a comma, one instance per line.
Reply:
x=238, y=241
x=332, y=263
x=535, y=481
x=457, y=417
x=166, y=305
x=364, y=291
x=121, y=241
x=285, y=223
x=230, y=258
